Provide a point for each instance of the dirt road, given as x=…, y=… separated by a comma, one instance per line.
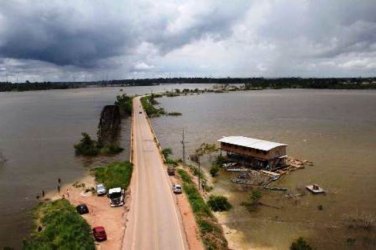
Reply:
x=153, y=219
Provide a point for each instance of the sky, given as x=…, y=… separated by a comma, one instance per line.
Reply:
x=86, y=40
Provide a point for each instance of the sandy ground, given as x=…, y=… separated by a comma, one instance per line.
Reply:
x=100, y=211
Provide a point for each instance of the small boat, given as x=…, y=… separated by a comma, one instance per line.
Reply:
x=315, y=189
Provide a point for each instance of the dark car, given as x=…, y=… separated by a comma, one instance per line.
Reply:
x=82, y=209
x=99, y=234
x=171, y=170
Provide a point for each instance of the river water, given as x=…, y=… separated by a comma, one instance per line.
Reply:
x=336, y=129
x=333, y=128
x=37, y=132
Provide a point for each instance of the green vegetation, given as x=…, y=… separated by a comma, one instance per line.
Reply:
x=167, y=152
x=210, y=231
x=90, y=147
x=87, y=146
x=219, y=203
x=250, y=83
x=124, y=103
x=116, y=174
x=27, y=86
x=254, y=200
x=59, y=226
x=214, y=170
x=148, y=103
x=300, y=244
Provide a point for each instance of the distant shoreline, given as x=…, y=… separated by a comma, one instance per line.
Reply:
x=249, y=83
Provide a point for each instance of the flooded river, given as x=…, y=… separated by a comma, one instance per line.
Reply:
x=336, y=129
x=37, y=133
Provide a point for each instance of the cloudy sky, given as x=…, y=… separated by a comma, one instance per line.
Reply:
x=51, y=40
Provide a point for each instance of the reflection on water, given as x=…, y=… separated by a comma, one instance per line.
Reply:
x=37, y=133
x=336, y=129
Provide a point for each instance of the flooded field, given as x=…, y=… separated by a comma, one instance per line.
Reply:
x=336, y=129
x=37, y=133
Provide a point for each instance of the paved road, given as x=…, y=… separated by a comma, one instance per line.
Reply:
x=153, y=220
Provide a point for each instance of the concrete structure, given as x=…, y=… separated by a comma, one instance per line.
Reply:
x=254, y=152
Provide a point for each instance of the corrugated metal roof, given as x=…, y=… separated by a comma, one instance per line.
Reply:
x=251, y=142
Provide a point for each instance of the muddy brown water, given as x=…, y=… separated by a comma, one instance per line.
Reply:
x=37, y=133
x=336, y=129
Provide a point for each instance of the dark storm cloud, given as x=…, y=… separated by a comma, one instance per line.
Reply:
x=62, y=35
x=67, y=35
x=48, y=39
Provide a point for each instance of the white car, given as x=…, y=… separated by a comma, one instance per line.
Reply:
x=101, y=189
x=176, y=188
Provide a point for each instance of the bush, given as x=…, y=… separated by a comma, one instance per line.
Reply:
x=300, y=244
x=124, y=103
x=86, y=146
x=254, y=200
x=90, y=147
x=62, y=228
x=116, y=174
x=214, y=170
x=219, y=203
x=167, y=152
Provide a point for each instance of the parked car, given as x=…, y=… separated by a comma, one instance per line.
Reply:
x=99, y=234
x=82, y=209
x=116, y=196
x=176, y=188
x=171, y=170
x=101, y=189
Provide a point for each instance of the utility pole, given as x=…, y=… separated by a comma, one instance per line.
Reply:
x=183, y=145
x=199, y=173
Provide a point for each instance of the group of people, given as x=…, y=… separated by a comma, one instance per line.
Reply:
x=58, y=190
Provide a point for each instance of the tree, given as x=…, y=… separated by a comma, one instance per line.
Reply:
x=214, y=170
x=219, y=203
x=300, y=244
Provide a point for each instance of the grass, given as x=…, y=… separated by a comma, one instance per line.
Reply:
x=116, y=174
x=60, y=227
x=148, y=103
x=210, y=231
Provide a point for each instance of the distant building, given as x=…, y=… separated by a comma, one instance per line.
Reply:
x=255, y=153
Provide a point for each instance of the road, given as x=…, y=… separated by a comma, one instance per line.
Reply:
x=153, y=219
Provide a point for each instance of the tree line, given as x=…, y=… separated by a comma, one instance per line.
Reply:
x=250, y=83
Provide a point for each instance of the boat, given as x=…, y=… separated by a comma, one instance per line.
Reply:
x=315, y=189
